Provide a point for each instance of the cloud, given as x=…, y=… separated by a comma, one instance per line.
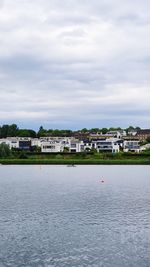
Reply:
x=74, y=64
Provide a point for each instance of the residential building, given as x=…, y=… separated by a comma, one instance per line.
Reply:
x=51, y=147
x=114, y=134
x=143, y=134
x=131, y=145
x=145, y=147
x=76, y=146
x=107, y=145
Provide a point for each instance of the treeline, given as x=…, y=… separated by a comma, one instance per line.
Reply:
x=13, y=131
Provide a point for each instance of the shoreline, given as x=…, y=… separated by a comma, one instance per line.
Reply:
x=74, y=161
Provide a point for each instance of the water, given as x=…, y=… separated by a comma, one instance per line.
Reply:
x=64, y=217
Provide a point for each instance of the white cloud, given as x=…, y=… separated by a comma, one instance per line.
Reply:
x=75, y=63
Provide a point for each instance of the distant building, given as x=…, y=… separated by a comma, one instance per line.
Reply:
x=132, y=132
x=76, y=146
x=143, y=134
x=89, y=145
x=131, y=145
x=107, y=146
x=51, y=147
x=5, y=141
x=25, y=144
x=115, y=134
x=110, y=142
x=145, y=147
x=13, y=142
x=80, y=136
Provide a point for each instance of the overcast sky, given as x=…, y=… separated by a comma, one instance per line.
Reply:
x=75, y=63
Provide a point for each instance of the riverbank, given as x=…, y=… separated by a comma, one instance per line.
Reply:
x=75, y=161
x=29, y=158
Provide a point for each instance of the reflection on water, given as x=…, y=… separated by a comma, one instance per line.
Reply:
x=59, y=216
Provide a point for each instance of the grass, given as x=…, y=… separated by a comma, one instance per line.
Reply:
x=90, y=161
x=77, y=158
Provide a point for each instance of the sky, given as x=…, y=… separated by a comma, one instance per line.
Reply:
x=70, y=64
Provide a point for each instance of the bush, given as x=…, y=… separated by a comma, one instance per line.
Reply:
x=23, y=155
x=58, y=156
x=4, y=150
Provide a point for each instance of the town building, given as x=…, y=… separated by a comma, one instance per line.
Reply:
x=51, y=147
x=107, y=145
x=76, y=146
x=143, y=134
x=131, y=145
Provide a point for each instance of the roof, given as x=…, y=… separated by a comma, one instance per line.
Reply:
x=144, y=131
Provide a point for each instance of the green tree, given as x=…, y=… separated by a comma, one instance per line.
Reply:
x=94, y=130
x=137, y=128
x=66, y=149
x=115, y=129
x=8, y=130
x=148, y=139
x=4, y=150
x=26, y=133
x=12, y=130
x=84, y=130
x=23, y=155
x=130, y=128
x=41, y=132
x=104, y=130
x=4, y=131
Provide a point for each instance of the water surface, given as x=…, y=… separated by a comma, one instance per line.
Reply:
x=64, y=217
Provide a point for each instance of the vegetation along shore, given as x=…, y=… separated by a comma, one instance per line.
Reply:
x=85, y=146
x=78, y=159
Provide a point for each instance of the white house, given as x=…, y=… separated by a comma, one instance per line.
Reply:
x=132, y=132
x=145, y=147
x=107, y=145
x=36, y=142
x=115, y=134
x=131, y=145
x=76, y=146
x=13, y=142
x=5, y=141
x=51, y=147
x=88, y=145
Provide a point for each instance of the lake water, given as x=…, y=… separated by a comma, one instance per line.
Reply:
x=64, y=216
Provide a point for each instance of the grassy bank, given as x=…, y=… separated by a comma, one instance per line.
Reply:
x=76, y=161
x=76, y=158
